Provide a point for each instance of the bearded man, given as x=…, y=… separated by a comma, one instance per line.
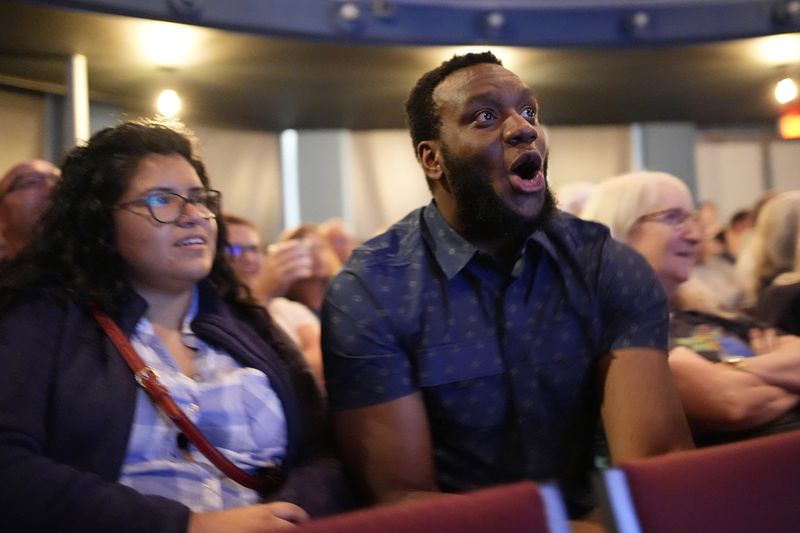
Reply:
x=478, y=340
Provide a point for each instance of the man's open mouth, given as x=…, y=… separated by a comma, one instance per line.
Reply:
x=527, y=166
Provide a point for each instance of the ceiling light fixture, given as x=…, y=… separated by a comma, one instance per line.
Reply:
x=778, y=50
x=785, y=91
x=166, y=44
x=168, y=103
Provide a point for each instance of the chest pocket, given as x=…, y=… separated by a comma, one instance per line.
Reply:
x=463, y=383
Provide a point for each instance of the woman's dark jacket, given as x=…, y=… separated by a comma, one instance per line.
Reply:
x=67, y=403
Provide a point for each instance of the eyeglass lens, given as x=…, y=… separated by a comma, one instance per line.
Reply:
x=238, y=250
x=167, y=207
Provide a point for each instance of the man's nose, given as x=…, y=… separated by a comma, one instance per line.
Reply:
x=519, y=130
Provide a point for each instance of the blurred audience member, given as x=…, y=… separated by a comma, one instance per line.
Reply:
x=245, y=251
x=573, y=196
x=339, y=238
x=707, y=217
x=732, y=236
x=776, y=251
x=310, y=290
x=714, y=268
x=24, y=195
x=745, y=260
x=727, y=390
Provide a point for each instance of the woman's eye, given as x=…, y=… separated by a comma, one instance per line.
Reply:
x=158, y=199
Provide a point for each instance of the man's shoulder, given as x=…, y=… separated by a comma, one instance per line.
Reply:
x=397, y=247
x=585, y=239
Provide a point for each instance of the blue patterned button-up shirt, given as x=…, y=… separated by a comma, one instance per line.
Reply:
x=505, y=361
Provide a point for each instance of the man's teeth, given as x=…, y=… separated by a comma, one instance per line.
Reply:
x=190, y=241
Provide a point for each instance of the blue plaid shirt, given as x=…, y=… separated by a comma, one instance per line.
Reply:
x=235, y=407
x=505, y=361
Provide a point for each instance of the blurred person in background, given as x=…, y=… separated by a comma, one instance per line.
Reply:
x=310, y=290
x=25, y=192
x=775, y=250
x=736, y=378
x=339, y=238
x=289, y=261
x=733, y=235
x=573, y=196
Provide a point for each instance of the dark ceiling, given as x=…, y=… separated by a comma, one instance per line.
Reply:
x=274, y=83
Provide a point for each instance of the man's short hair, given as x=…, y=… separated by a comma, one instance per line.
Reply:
x=422, y=115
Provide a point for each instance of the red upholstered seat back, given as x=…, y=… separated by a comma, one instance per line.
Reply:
x=749, y=486
x=515, y=508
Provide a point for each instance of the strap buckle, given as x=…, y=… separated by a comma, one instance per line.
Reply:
x=144, y=376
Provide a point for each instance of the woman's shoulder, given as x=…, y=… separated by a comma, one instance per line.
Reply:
x=42, y=300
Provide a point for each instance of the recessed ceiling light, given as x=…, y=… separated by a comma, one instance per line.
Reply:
x=168, y=103
x=167, y=44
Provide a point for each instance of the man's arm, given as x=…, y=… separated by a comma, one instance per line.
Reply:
x=641, y=410
x=388, y=448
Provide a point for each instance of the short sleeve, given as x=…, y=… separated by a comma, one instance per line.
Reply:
x=364, y=361
x=634, y=304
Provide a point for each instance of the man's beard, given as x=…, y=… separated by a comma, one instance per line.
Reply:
x=482, y=214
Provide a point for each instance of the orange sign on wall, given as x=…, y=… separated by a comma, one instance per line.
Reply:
x=789, y=125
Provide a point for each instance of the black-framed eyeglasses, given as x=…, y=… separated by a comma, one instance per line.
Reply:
x=674, y=217
x=168, y=207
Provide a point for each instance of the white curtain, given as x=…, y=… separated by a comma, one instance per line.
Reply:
x=21, y=128
x=245, y=166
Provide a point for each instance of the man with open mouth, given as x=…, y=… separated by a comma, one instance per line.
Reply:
x=478, y=340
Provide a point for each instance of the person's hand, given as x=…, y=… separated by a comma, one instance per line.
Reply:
x=262, y=518
x=284, y=263
x=764, y=340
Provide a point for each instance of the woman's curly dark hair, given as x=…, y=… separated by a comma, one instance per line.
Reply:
x=75, y=246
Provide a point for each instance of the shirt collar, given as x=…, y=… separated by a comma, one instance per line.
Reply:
x=453, y=252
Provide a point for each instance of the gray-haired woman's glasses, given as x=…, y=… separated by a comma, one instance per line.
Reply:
x=168, y=207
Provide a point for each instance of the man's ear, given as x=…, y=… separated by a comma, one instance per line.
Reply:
x=429, y=156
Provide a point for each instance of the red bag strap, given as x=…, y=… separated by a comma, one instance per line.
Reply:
x=147, y=378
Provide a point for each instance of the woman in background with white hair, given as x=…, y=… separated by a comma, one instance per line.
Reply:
x=727, y=393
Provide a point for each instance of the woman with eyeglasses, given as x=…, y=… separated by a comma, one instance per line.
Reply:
x=735, y=378
x=134, y=238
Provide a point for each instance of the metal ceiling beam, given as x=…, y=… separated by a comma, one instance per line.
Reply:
x=540, y=24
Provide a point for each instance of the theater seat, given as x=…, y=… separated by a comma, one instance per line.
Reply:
x=522, y=507
x=744, y=487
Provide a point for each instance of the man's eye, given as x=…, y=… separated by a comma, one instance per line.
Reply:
x=485, y=116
